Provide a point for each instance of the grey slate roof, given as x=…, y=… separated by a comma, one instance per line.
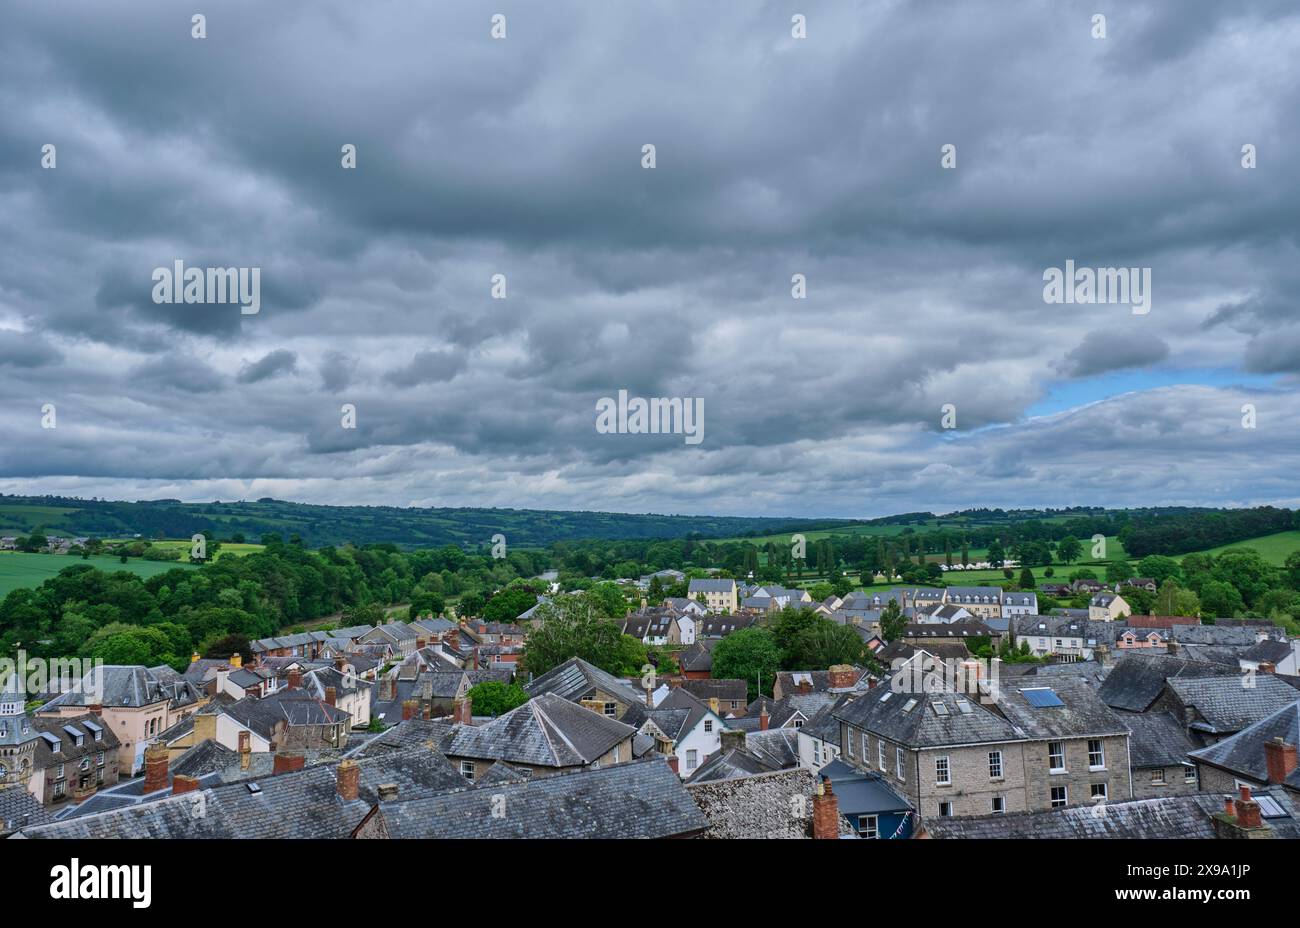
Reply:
x=641, y=799
x=1082, y=713
x=1137, y=679
x=1169, y=817
x=576, y=678
x=1268, y=650
x=128, y=686
x=546, y=731
x=1214, y=634
x=888, y=714
x=297, y=707
x=427, y=733
x=711, y=586
x=697, y=658
x=729, y=690
x=1243, y=753
x=298, y=804
x=19, y=809
x=1158, y=740
x=1224, y=705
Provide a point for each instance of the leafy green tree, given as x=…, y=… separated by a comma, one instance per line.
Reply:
x=471, y=604
x=1246, y=571
x=826, y=643
x=492, y=697
x=1118, y=571
x=1159, y=568
x=750, y=654
x=510, y=603
x=1221, y=599
x=1292, y=570
x=1069, y=549
x=571, y=626
x=892, y=621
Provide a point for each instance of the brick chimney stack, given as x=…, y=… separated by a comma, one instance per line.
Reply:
x=295, y=678
x=842, y=677
x=245, y=750
x=183, y=784
x=1280, y=759
x=331, y=695
x=95, y=708
x=826, y=812
x=649, y=698
x=672, y=763
x=426, y=712
x=349, y=781
x=155, y=768
x=762, y=718
x=409, y=708
x=451, y=638
x=286, y=761
x=340, y=661
x=1247, y=810
x=463, y=711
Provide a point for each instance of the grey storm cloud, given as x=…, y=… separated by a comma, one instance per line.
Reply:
x=775, y=157
x=1100, y=352
x=272, y=364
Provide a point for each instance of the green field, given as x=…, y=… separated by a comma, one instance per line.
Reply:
x=183, y=545
x=1273, y=548
x=19, y=571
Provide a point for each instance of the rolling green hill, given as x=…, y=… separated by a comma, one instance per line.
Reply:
x=332, y=525
x=1273, y=548
x=21, y=571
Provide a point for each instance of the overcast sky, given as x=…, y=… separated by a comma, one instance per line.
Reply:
x=774, y=156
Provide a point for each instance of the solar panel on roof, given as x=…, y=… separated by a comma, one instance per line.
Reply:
x=1042, y=697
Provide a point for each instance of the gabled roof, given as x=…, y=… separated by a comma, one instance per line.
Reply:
x=127, y=686
x=297, y=804
x=575, y=678
x=546, y=731
x=1228, y=704
x=711, y=586
x=1137, y=679
x=19, y=809
x=1168, y=817
x=1158, y=740
x=1243, y=753
x=296, y=707
x=913, y=720
x=730, y=690
x=640, y=799
x=1062, y=707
